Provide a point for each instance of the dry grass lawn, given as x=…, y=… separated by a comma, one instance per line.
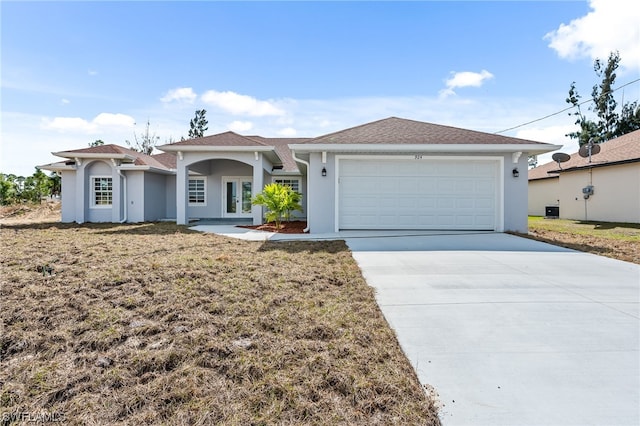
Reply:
x=616, y=240
x=155, y=324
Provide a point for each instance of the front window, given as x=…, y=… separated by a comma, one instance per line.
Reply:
x=294, y=184
x=197, y=192
x=102, y=191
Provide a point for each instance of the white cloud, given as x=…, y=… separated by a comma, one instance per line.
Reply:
x=609, y=26
x=92, y=72
x=180, y=94
x=105, y=119
x=100, y=123
x=240, y=126
x=64, y=101
x=465, y=79
x=67, y=124
x=237, y=104
x=287, y=132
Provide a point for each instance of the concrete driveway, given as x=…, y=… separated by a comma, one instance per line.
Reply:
x=511, y=331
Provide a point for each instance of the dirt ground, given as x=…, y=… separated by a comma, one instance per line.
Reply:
x=30, y=213
x=293, y=227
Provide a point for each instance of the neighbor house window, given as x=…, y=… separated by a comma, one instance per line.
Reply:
x=294, y=184
x=102, y=191
x=197, y=192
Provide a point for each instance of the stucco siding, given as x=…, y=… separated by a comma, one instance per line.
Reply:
x=170, y=202
x=94, y=213
x=543, y=193
x=217, y=170
x=322, y=189
x=515, y=195
x=68, y=196
x=135, y=196
x=155, y=193
x=616, y=195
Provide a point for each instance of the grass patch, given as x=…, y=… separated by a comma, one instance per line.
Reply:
x=616, y=240
x=155, y=324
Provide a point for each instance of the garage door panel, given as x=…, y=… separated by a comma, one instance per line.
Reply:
x=404, y=194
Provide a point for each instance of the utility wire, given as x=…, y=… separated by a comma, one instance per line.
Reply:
x=564, y=110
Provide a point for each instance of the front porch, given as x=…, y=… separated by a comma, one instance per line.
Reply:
x=219, y=187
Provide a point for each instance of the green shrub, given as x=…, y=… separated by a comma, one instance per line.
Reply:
x=279, y=200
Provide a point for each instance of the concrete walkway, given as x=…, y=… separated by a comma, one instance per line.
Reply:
x=508, y=331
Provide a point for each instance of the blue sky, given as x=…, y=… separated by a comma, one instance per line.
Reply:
x=74, y=72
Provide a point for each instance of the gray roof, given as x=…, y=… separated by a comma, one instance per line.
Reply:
x=621, y=150
x=140, y=159
x=220, y=139
x=399, y=131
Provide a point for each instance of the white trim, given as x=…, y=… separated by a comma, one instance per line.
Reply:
x=499, y=202
x=92, y=156
x=92, y=192
x=197, y=178
x=214, y=148
x=424, y=148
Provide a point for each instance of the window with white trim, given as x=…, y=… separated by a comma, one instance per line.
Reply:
x=294, y=184
x=197, y=191
x=101, y=191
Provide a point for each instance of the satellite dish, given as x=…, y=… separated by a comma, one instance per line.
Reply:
x=560, y=157
x=587, y=150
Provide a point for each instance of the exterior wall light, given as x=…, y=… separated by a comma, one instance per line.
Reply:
x=324, y=172
x=515, y=172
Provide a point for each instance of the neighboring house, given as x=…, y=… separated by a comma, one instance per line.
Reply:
x=388, y=174
x=613, y=174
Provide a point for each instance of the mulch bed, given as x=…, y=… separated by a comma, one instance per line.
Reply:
x=293, y=227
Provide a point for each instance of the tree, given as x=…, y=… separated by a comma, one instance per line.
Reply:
x=56, y=183
x=609, y=123
x=97, y=142
x=147, y=141
x=279, y=200
x=198, y=125
x=17, y=189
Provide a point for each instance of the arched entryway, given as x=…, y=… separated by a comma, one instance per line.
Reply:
x=220, y=186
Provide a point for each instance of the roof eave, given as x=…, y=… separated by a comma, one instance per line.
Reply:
x=57, y=167
x=204, y=148
x=597, y=165
x=476, y=148
x=134, y=167
x=99, y=156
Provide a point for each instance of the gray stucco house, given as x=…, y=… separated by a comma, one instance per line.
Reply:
x=389, y=174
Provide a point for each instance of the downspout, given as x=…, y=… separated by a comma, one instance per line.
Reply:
x=124, y=185
x=293, y=154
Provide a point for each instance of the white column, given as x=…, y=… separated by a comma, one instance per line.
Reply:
x=182, y=182
x=81, y=193
x=256, y=188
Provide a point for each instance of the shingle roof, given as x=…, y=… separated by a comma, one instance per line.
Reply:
x=169, y=159
x=140, y=159
x=283, y=151
x=221, y=139
x=395, y=130
x=615, y=151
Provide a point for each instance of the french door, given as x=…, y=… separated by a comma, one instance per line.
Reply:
x=236, y=196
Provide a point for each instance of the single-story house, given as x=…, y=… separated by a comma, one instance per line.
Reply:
x=605, y=187
x=389, y=174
